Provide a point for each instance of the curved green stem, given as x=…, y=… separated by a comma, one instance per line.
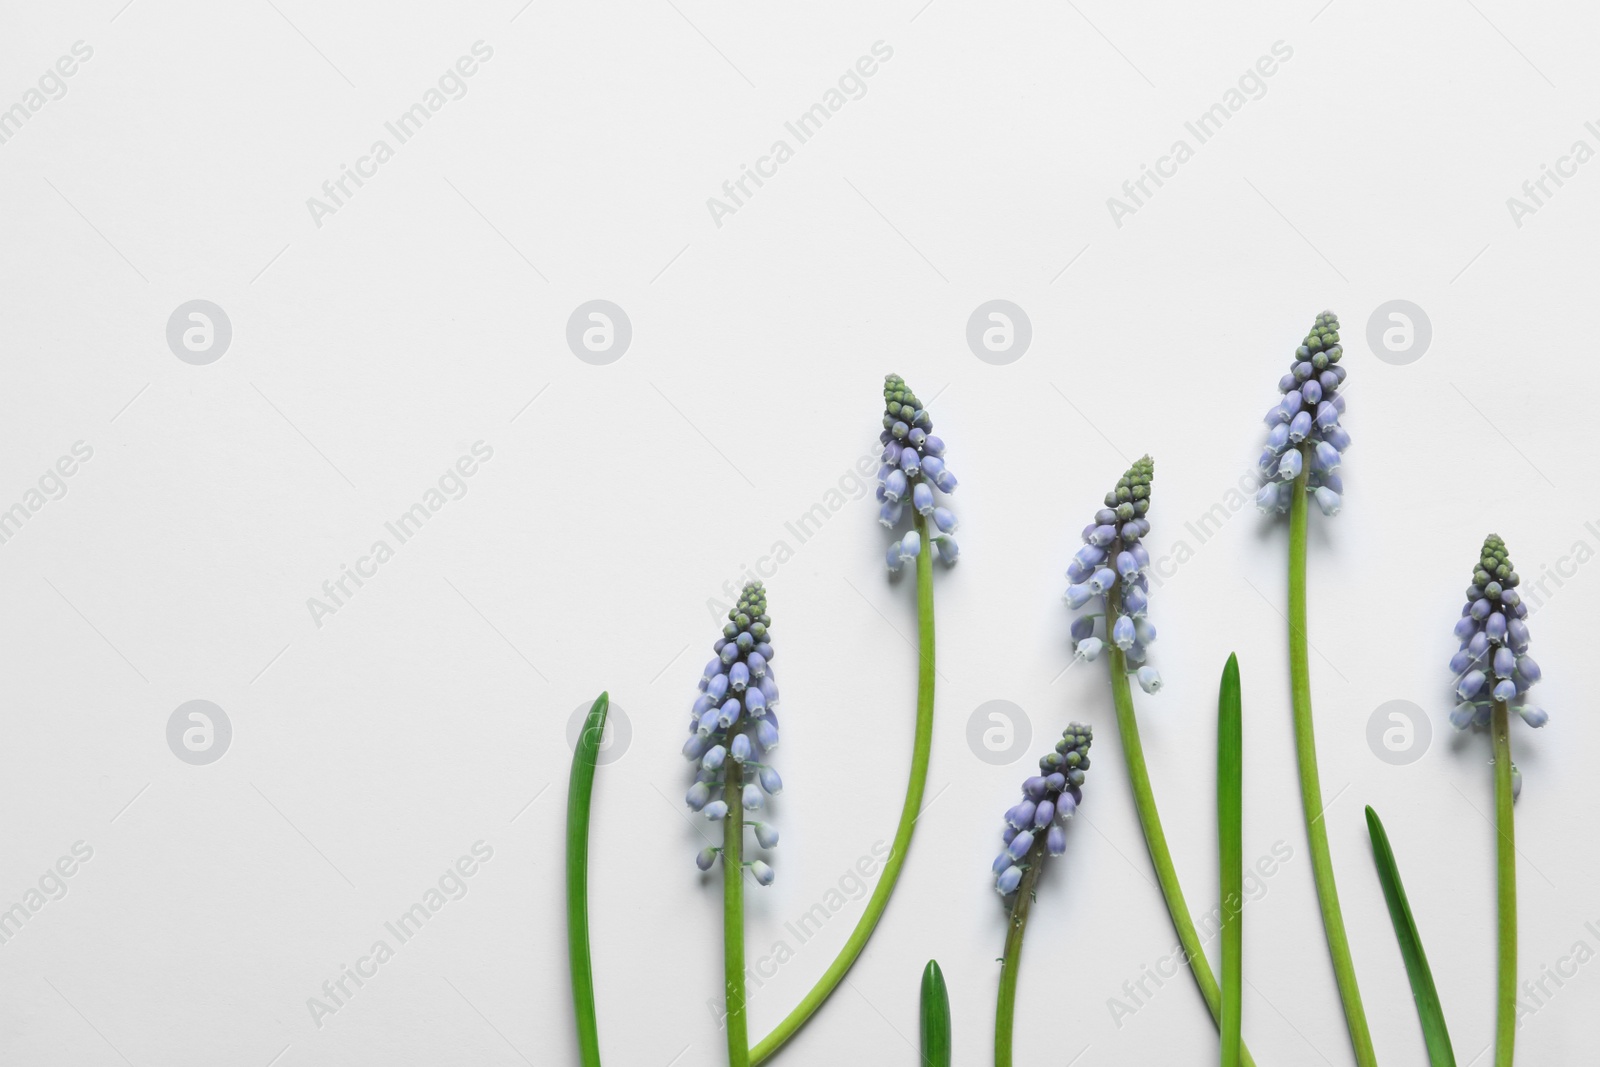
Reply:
x=580, y=788
x=733, y=914
x=1505, y=1034
x=912, y=808
x=1155, y=838
x=1006, y=1006
x=1305, y=743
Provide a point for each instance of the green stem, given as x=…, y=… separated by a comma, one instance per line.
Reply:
x=1305, y=743
x=733, y=914
x=580, y=788
x=1506, y=865
x=912, y=808
x=1155, y=838
x=1006, y=1007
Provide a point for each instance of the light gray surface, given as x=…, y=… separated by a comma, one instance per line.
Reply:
x=431, y=311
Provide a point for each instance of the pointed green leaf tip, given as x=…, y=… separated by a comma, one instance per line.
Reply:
x=1494, y=565
x=935, y=1017
x=1429, y=1011
x=1133, y=489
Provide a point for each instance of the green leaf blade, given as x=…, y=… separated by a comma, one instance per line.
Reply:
x=580, y=791
x=935, y=1017
x=1230, y=837
x=1429, y=1011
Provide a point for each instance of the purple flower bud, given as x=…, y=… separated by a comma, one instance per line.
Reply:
x=949, y=551
x=945, y=519
x=1089, y=648
x=1020, y=845
x=1505, y=690
x=894, y=486
x=698, y=796
x=1517, y=634
x=1044, y=815
x=752, y=800
x=763, y=873
x=1078, y=595
x=911, y=463
x=705, y=858
x=945, y=481
x=716, y=810
x=708, y=722
x=1529, y=669
x=1336, y=436
x=718, y=688
x=889, y=513
x=1460, y=662
x=1462, y=716
x=1465, y=628
x=1311, y=391
x=758, y=664
x=1329, y=501
x=770, y=781
x=1289, y=467
x=1149, y=679
x=1127, y=566
x=1102, y=580
x=1470, y=685
x=934, y=447
x=1327, y=456
x=739, y=747
x=922, y=498
x=1009, y=879
x=1122, y=632
x=1278, y=438
x=1495, y=627
x=1021, y=816
x=714, y=757
x=1300, y=427
x=738, y=677
x=894, y=557
x=931, y=466
x=767, y=734
x=1055, y=841
x=1136, y=601
x=1083, y=628
x=1481, y=608
x=1505, y=662
x=1534, y=717
x=1102, y=536
x=911, y=545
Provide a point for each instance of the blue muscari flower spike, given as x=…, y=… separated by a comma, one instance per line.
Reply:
x=1493, y=663
x=913, y=468
x=1035, y=827
x=1120, y=597
x=732, y=722
x=1303, y=427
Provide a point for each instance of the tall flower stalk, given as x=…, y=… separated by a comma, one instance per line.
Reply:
x=1108, y=573
x=733, y=726
x=1035, y=828
x=913, y=472
x=1304, y=445
x=1493, y=673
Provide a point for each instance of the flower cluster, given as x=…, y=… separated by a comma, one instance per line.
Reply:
x=1493, y=664
x=1112, y=565
x=913, y=467
x=1049, y=799
x=733, y=719
x=1304, y=425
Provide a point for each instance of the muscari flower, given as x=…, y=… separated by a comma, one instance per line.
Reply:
x=1493, y=663
x=1037, y=825
x=1109, y=572
x=1303, y=427
x=913, y=467
x=733, y=720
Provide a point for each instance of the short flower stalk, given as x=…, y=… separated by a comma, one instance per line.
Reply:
x=1493, y=674
x=1035, y=830
x=732, y=726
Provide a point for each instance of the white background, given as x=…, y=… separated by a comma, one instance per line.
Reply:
x=370, y=352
